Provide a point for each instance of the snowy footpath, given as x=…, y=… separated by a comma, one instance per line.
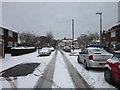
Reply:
x=94, y=77
x=26, y=81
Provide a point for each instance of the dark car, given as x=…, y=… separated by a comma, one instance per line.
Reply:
x=94, y=45
x=67, y=49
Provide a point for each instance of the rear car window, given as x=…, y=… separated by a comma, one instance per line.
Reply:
x=117, y=55
x=98, y=51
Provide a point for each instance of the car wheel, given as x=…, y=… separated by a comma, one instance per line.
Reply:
x=108, y=75
x=85, y=65
x=78, y=60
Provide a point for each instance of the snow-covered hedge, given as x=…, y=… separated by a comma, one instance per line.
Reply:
x=23, y=48
x=15, y=51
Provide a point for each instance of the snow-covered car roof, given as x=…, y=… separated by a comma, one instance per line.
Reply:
x=94, y=48
x=45, y=48
x=117, y=51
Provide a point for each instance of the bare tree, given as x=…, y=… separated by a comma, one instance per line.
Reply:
x=50, y=38
x=27, y=39
x=86, y=39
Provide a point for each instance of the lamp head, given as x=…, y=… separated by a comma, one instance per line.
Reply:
x=99, y=13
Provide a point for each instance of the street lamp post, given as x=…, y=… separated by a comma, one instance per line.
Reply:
x=57, y=40
x=73, y=34
x=100, y=14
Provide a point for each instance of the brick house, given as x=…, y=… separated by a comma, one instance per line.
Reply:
x=8, y=39
x=111, y=38
x=1, y=44
x=68, y=42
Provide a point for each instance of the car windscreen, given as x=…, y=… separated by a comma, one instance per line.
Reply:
x=97, y=51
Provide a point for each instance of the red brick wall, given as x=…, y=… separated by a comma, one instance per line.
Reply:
x=106, y=37
x=1, y=49
x=9, y=39
x=0, y=36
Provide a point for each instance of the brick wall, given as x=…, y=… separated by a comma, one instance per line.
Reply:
x=1, y=49
x=9, y=39
x=107, y=40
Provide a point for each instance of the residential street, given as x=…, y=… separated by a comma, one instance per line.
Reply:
x=59, y=70
x=60, y=44
x=46, y=79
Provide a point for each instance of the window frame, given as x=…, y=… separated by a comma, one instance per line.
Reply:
x=10, y=33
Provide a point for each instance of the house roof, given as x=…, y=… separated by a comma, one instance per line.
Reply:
x=116, y=27
x=68, y=39
x=8, y=28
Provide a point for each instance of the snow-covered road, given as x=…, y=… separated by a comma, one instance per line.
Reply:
x=46, y=80
x=65, y=76
x=61, y=77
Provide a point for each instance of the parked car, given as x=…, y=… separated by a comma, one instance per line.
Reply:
x=93, y=57
x=75, y=52
x=94, y=45
x=52, y=48
x=112, y=68
x=108, y=49
x=44, y=51
x=67, y=49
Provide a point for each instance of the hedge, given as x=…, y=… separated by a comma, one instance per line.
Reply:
x=17, y=52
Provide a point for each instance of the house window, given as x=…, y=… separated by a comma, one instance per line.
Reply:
x=15, y=44
x=10, y=44
x=1, y=31
x=10, y=33
x=113, y=34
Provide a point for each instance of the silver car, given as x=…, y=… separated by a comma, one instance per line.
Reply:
x=44, y=51
x=93, y=57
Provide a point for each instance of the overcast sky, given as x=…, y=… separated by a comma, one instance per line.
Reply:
x=42, y=17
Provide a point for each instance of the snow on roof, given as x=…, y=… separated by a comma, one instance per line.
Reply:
x=23, y=47
x=113, y=26
x=68, y=40
x=8, y=27
x=96, y=40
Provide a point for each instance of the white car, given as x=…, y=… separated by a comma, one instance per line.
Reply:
x=44, y=51
x=93, y=57
x=52, y=48
x=75, y=52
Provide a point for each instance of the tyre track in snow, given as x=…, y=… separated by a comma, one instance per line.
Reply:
x=46, y=80
x=78, y=80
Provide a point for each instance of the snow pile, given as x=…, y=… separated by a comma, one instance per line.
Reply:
x=23, y=48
